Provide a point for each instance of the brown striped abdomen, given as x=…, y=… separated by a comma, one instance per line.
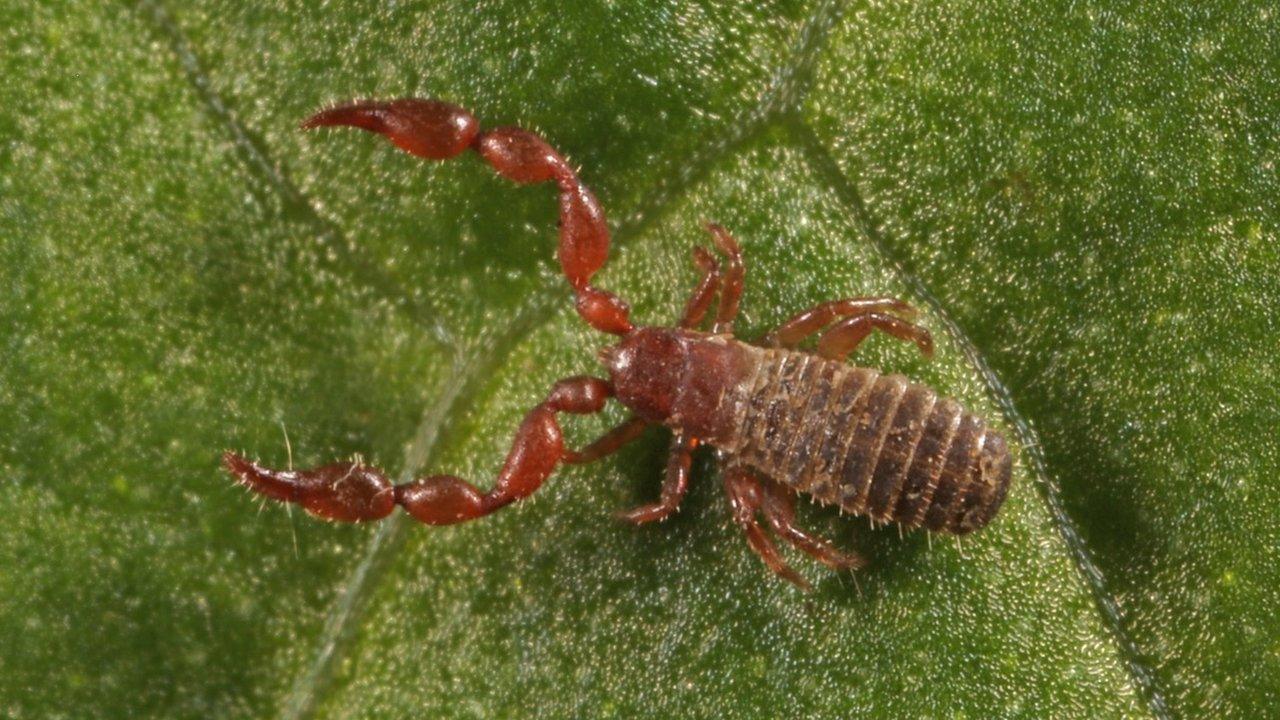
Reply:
x=875, y=445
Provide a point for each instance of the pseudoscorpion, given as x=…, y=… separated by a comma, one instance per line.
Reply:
x=785, y=421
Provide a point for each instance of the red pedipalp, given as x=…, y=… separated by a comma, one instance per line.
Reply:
x=427, y=128
x=439, y=130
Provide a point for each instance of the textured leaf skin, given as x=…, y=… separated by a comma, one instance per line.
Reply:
x=1093, y=193
x=1089, y=196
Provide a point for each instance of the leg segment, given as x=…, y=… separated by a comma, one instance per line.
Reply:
x=806, y=323
x=779, y=511
x=608, y=443
x=354, y=491
x=700, y=301
x=674, y=485
x=847, y=334
x=439, y=130
x=746, y=497
x=733, y=280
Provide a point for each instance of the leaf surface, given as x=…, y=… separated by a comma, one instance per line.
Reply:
x=185, y=272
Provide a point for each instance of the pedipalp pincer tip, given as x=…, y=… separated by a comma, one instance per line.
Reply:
x=356, y=114
x=428, y=128
x=235, y=463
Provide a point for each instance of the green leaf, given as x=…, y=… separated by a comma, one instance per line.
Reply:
x=1082, y=200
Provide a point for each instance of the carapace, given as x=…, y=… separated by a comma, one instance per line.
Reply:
x=785, y=421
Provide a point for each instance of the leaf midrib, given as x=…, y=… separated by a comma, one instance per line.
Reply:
x=826, y=166
x=777, y=109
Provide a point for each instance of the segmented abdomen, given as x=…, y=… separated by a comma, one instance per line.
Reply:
x=875, y=445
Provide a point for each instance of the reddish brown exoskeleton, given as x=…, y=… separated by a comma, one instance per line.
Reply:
x=784, y=421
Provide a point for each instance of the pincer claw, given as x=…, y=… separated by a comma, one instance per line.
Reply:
x=350, y=492
x=427, y=128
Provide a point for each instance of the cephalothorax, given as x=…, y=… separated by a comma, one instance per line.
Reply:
x=785, y=421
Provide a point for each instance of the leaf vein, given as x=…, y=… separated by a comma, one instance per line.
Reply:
x=371, y=280
x=786, y=90
x=826, y=168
